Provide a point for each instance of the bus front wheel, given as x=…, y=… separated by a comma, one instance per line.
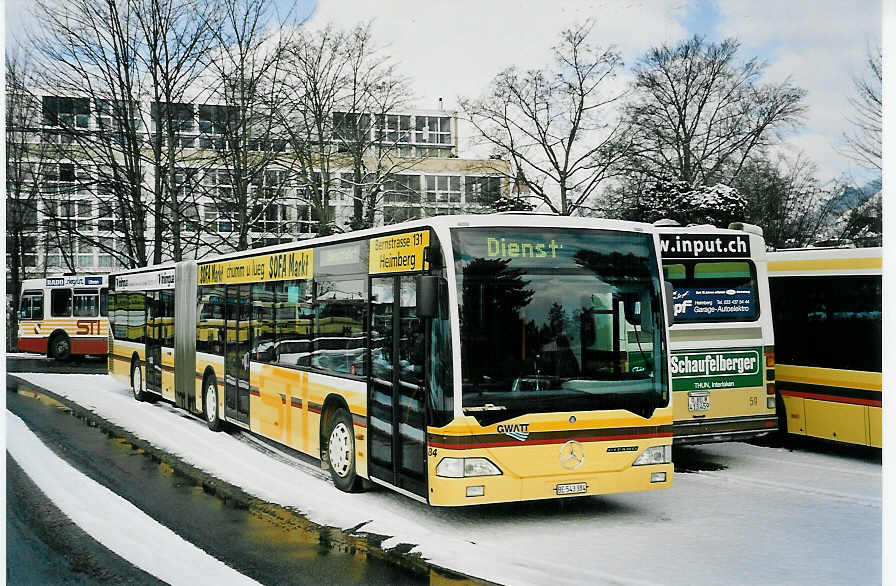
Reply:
x=60, y=347
x=340, y=451
x=210, y=403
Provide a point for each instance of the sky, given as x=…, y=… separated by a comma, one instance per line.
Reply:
x=455, y=48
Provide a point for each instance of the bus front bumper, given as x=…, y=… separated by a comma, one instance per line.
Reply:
x=509, y=488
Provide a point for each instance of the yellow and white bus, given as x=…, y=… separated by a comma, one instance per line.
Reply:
x=826, y=304
x=62, y=316
x=456, y=360
x=722, y=363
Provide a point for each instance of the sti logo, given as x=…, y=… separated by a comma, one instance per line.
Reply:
x=93, y=281
x=518, y=431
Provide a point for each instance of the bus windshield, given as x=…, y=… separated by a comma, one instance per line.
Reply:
x=558, y=320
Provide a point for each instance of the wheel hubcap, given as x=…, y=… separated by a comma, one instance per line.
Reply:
x=138, y=381
x=339, y=449
x=211, y=403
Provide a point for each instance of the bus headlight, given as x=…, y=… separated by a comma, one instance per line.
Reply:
x=655, y=455
x=466, y=467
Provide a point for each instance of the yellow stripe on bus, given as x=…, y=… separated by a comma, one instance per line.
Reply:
x=832, y=377
x=826, y=264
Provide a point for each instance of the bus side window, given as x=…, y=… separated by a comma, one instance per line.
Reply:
x=104, y=301
x=86, y=303
x=61, y=302
x=32, y=305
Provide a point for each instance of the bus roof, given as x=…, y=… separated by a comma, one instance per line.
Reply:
x=437, y=222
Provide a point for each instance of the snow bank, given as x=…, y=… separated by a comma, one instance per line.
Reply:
x=772, y=516
x=118, y=525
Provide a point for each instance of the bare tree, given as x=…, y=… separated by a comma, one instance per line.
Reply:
x=246, y=77
x=697, y=114
x=24, y=178
x=319, y=69
x=178, y=37
x=786, y=199
x=863, y=142
x=90, y=65
x=373, y=90
x=556, y=125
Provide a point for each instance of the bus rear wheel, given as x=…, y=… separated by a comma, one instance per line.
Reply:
x=60, y=347
x=137, y=381
x=210, y=403
x=340, y=451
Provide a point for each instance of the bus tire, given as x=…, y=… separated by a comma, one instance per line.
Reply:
x=210, y=403
x=60, y=347
x=781, y=411
x=340, y=452
x=137, y=380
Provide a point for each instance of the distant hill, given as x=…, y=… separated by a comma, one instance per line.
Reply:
x=853, y=197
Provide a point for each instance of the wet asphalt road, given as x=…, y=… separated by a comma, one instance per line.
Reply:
x=268, y=543
x=76, y=365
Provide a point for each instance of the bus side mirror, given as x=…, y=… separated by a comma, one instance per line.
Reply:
x=644, y=312
x=427, y=296
x=670, y=303
x=432, y=255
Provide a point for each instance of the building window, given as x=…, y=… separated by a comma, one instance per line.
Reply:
x=433, y=129
x=308, y=219
x=395, y=214
x=443, y=188
x=179, y=115
x=216, y=119
x=401, y=189
x=351, y=127
x=393, y=127
x=67, y=112
x=483, y=190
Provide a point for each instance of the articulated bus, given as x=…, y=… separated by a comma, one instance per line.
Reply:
x=722, y=363
x=456, y=360
x=62, y=316
x=827, y=313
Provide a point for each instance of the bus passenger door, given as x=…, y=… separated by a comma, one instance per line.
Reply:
x=397, y=423
x=237, y=351
x=153, y=341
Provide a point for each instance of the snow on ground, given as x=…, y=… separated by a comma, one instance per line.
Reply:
x=121, y=527
x=772, y=517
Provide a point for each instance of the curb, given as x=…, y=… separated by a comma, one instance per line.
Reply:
x=331, y=537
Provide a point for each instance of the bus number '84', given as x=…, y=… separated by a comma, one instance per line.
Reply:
x=88, y=326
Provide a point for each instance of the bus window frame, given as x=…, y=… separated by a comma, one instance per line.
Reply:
x=735, y=319
x=86, y=292
x=29, y=295
x=70, y=302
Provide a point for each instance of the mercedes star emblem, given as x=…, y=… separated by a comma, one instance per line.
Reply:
x=572, y=455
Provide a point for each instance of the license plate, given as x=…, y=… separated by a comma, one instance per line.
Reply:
x=698, y=402
x=572, y=488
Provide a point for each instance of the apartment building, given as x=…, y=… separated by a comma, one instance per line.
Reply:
x=72, y=224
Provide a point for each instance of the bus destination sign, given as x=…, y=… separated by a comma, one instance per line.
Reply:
x=146, y=281
x=398, y=253
x=279, y=266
